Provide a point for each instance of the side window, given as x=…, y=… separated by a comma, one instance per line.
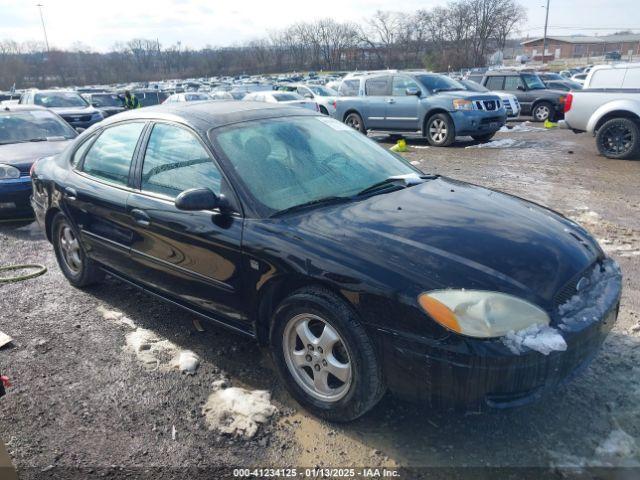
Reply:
x=512, y=83
x=400, y=85
x=349, y=88
x=632, y=78
x=494, y=83
x=109, y=158
x=176, y=161
x=77, y=155
x=377, y=86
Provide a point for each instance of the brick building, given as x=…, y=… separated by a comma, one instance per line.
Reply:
x=578, y=46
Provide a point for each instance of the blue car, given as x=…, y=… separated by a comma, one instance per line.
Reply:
x=433, y=105
x=27, y=133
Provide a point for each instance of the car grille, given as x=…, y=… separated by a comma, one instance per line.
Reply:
x=488, y=105
x=507, y=106
x=570, y=288
x=77, y=118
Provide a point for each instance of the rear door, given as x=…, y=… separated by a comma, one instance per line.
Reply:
x=193, y=257
x=377, y=92
x=96, y=193
x=402, y=110
x=515, y=85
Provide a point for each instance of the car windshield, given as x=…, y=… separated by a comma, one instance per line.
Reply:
x=192, y=97
x=292, y=161
x=36, y=125
x=439, y=83
x=473, y=86
x=553, y=76
x=323, y=91
x=111, y=100
x=286, y=97
x=59, y=100
x=533, y=82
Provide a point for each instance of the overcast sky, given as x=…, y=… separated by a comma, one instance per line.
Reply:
x=196, y=23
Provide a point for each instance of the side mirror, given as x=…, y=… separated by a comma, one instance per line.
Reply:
x=413, y=91
x=197, y=199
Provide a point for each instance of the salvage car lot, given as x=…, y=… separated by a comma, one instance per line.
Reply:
x=82, y=397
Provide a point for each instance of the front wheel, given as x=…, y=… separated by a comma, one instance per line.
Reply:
x=79, y=270
x=440, y=130
x=483, y=138
x=324, y=355
x=355, y=121
x=542, y=112
x=618, y=138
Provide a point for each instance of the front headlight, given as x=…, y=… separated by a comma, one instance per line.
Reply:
x=7, y=172
x=482, y=314
x=462, y=104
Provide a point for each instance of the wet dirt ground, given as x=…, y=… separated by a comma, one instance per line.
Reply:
x=80, y=399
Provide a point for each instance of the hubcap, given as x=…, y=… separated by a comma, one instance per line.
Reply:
x=438, y=130
x=70, y=249
x=542, y=112
x=317, y=357
x=353, y=122
x=617, y=140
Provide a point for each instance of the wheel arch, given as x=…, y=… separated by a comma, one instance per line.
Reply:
x=615, y=114
x=48, y=222
x=431, y=113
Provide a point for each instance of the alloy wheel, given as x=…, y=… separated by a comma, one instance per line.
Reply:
x=542, y=113
x=438, y=130
x=70, y=249
x=353, y=122
x=617, y=139
x=317, y=357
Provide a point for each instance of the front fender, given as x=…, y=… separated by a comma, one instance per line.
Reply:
x=625, y=105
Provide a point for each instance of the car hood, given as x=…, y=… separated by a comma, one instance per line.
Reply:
x=74, y=110
x=449, y=234
x=17, y=154
x=468, y=94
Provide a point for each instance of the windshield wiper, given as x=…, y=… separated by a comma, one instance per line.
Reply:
x=312, y=203
x=399, y=181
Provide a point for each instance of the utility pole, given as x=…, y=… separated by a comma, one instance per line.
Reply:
x=544, y=39
x=46, y=40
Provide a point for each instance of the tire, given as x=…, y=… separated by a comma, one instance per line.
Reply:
x=323, y=110
x=354, y=120
x=483, y=138
x=439, y=130
x=78, y=269
x=543, y=111
x=323, y=316
x=619, y=138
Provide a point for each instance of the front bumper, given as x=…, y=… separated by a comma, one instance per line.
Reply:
x=479, y=375
x=14, y=197
x=478, y=122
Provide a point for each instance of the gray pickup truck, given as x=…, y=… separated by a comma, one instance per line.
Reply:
x=410, y=102
x=608, y=108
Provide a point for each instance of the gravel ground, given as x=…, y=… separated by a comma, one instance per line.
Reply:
x=82, y=400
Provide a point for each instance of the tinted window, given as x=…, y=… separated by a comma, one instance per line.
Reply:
x=533, y=81
x=110, y=156
x=495, y=83
x=349, y=88
x=376, y=86
x=400, y=85
x=111, y=100
x=176, y=161
x=512, y=83
x=77, y=155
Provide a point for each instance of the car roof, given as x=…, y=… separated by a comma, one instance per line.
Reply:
x=18, y=107
x=206, y=115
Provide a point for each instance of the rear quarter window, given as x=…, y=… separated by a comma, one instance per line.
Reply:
x=376, y=86
x=349, y=88
x=494, y=83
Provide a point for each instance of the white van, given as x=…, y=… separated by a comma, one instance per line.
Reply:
x=621, y=75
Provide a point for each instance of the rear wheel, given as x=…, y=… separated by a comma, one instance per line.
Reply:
x=324, y=355
x=483, y=138
x=355, y=121
x=79, y=270
x=619, y=138
x=542, y=111
x=440, y=130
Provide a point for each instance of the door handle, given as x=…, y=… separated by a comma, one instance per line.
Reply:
x=70, y=193
x=140, y=217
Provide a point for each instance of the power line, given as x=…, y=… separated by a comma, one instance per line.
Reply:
x=46, y=40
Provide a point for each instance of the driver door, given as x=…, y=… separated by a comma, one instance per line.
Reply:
x=402, y=109
x=192, y=256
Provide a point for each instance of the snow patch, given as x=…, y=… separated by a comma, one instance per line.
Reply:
x=541, y=338
x=238, y=411
x=187, y=362
x=521, y=127
x=415, y=162
x=501, y=143
x=150, y=349
x=619, y=444
x=599, y=292
x=115, y=316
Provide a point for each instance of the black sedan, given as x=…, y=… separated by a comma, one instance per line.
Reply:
x=27, y=133
x=359, y=271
